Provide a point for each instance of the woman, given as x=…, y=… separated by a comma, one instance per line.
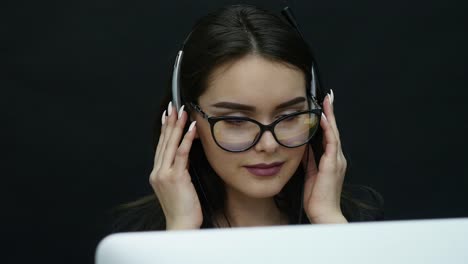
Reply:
x=218, y=164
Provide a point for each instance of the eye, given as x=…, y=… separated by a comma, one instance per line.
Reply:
x=234, y=122
x=291, y=118
x=283, y=115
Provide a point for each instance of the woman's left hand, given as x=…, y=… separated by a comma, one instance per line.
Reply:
x=322, y=188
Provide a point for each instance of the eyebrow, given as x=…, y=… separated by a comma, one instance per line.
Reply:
x=249, y=108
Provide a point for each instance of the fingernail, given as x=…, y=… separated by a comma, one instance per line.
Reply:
x=191, y=126
x=180, y=111
x=323, y=116
x=163, y=118
x=329, y=99
x=169, y=109
x=332, y=96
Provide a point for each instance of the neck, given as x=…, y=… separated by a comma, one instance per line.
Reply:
x=243, y=211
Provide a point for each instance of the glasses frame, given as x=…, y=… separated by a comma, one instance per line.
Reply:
x=212, y=120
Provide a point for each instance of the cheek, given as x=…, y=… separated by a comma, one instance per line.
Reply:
x=225, y=164
x=204, y=133
x=213, y=152
x=297, y=154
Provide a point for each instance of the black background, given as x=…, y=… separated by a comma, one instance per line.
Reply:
x=82, y=82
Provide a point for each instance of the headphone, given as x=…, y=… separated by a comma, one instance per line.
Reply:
x=288, y=14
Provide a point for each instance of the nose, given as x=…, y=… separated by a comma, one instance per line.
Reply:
x=267, y=143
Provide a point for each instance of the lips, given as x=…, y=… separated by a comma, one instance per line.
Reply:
x=263, y=169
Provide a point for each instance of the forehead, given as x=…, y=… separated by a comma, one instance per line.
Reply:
x=255, y=81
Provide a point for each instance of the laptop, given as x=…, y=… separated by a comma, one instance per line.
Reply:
x=404, y=241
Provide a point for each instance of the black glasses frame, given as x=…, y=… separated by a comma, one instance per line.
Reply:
x=212, y=120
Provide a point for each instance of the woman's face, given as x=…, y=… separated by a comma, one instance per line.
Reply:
x=262, y=85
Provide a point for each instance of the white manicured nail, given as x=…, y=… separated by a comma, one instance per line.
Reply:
x=192, y=125
x=163, y=118
x=323, y=116
x=332, y=96
x=169, y=109
x=180, y=111
x=329, y=99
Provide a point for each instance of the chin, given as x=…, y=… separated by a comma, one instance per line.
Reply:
x=263, y=190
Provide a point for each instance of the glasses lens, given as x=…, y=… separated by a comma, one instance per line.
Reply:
x=235, y=135
x=297, y=129
x=238, y=135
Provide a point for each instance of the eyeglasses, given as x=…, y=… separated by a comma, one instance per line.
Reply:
x=237, y=134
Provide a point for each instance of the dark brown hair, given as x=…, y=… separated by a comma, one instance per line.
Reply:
x=225, y=36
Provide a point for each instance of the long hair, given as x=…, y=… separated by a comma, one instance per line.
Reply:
x=225, y=36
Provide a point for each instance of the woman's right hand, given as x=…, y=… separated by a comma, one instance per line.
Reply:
x=170, y=178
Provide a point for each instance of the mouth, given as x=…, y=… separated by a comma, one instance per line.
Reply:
x=263, y=169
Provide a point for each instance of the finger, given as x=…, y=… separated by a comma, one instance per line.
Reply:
x=168, y=127
x=156, y=165
x=339, y=160
x=334, y=125
x=330, y=141
x=174, y=140
x=182, y=153
x=330, y=113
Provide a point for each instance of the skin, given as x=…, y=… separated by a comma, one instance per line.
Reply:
x=256, y=82
x=262, y=84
